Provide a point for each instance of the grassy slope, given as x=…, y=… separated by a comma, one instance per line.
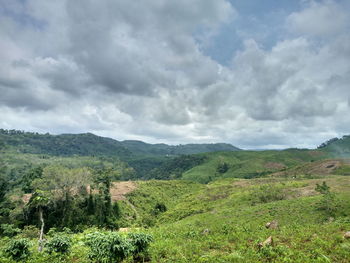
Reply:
x=235, y=222
x=250, y=164
x=236, y=226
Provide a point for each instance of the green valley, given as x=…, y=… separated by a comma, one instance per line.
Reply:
x=123, y=204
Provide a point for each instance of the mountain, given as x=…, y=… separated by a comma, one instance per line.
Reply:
x=88, y=144
x=62, y=145
x=139, y=147
x=337, y=147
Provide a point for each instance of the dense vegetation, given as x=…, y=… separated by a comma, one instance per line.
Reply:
x=60, y=201
x=337, y=147
x=89, y=144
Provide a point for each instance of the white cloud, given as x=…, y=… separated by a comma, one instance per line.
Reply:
x=324, y=19
x=136, y=71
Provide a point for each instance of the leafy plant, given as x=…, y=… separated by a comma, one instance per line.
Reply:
x=9, y=230
x=329, y=202
x=139, y=241
x=222, y=168
x=30, y=232
x=18, y=249
x=267, y=193
x=59, y=243
x=108, y=246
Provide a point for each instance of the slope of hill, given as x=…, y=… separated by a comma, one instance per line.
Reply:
x=90, y=144
x=63, y=145
x=337, y=147
x=225, y=221
x=249, y=164
x=139, y=147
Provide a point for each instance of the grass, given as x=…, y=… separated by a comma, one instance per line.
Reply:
x=250, y=164
x=235, y=226
x=224, y=220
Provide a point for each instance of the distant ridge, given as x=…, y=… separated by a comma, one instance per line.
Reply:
x=86, y=144
x=338, y=147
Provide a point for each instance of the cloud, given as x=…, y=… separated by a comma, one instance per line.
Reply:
x=138, y=71
x=321, y=19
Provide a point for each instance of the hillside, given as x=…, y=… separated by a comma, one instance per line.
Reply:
x=249, y=164
x=88, y=144
x=337, y=147
x=224, y=221
x=62, y=145
x=139, y=147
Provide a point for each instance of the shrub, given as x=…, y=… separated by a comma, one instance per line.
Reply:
x=139, y=241
x=114, y=247
x=59, y=243
x=18, y=249
x=9, y=230
x=329, y=202
x=30, y=232
x=159, y=208
x=267, y=193
x=108, y=246
x=222, y=168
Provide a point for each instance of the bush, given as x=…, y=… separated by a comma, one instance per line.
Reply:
x=222, y=168
x=30, y=232
x=108, y=247
x=9, y=230
x=114, y=247
x=159, y=208
x=18, y=249
x=267, y=193
x=329, y=202
x=139, y=241
x=59, y=243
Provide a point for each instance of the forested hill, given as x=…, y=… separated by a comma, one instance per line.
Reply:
x=90, y=144
x=338, y=147
x=139, y=147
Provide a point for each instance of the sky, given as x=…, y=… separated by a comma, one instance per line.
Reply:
x=257, y=74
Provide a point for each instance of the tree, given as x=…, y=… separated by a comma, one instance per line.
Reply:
x=64, y=184
x=329, y=202
x=62, y=181
x=40, y=200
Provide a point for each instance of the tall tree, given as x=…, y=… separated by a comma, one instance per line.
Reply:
x=40, y=200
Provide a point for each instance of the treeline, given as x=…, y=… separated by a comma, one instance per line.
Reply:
x=63, y=145
x=175, y=167
x=66, y=197
x=88, y=144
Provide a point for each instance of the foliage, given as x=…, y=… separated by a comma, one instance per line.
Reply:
x=323, y=188
x=267, y=193
x=59, y=243
x=139, y=241
x=175, y=167
x=108, y=246
x=337, y=147
x=329, y=202
x=31, y=232
x=248, y=164
x=18, y=249
x=63, y=145
x=9, y=230
x=222, y=168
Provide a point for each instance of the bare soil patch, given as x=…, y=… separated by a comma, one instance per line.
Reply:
x=120, y=189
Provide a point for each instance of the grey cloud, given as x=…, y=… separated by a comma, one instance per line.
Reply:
x=135, y=70
x=138, y=54
x=322, y=19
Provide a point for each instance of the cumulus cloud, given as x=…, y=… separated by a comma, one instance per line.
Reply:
x=322, y=19
x=138, y=71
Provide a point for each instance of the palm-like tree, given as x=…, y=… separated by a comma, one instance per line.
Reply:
x=40, y=200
